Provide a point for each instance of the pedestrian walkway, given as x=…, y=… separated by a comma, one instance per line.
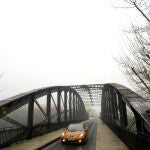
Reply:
x=107, y=140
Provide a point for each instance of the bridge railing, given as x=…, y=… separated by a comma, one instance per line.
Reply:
x=132, y=140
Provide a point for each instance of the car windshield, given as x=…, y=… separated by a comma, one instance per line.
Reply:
x=75, y=127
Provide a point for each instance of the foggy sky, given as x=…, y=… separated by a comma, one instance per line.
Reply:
x=46, y=43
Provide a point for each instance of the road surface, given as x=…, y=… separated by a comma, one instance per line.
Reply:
x=90, y=145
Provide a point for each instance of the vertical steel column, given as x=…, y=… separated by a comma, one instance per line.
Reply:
x=30, y=116
x=123, y=113
x=59, y=105
x=107, y=105
x=48, y=110
x=70, y=108
x=108, y=100
x=102, y=114
x=79, y=109
x=77, y=103
x=74, y=106
x=111, y=105
x=139, y=123
x=115, y=106
x=65, y=106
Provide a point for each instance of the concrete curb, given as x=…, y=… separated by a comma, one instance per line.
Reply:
x=46, y=144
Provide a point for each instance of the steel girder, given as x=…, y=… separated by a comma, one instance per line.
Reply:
x=90, y=93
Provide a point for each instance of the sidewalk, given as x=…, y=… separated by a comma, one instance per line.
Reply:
x=107, y=140
x=36, y=143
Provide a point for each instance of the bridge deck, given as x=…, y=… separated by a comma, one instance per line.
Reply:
x=105, y=139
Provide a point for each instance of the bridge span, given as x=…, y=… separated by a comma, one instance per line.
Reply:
x=44, y=110
x=100, y=137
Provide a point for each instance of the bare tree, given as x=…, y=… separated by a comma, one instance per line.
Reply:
x=137, y=64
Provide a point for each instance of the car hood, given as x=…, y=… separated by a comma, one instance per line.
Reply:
x=73, y=134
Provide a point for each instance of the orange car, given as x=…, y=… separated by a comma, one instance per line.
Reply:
x=75, y=133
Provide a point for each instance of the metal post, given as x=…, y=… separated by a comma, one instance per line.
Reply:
x=65, y=106
x=103, y=105
x=107, y=105
x=139, y=123
x=48, y=111
x=70, y=108
x=115, y=107
x=77, y=104
x=122, y=109
x=123, y=112
x=58, y=106
x=30, y=116
x=74, y=107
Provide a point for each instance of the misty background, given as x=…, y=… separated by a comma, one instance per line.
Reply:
x=47, y=43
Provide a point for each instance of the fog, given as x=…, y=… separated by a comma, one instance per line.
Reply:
x=47, y=43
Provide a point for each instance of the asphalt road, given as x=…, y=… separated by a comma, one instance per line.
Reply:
x=90, y=145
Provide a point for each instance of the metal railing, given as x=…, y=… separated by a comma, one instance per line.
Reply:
x=132, y=140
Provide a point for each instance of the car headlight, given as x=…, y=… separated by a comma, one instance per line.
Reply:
x=63, y=134
x=81, y=135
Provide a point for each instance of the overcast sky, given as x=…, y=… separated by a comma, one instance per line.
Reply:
x=58, y=42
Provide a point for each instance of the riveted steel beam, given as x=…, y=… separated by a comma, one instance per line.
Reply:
x=30, y=116
x=59, y=106
x=48, y=110
x=65, y=106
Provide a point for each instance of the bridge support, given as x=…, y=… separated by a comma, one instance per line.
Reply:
x=65, y=107
x=123, y=111
x=113, y=107
x=59, y=106
x=48, y=110
x=74, y=109
x=30, y=117
x=70, y=105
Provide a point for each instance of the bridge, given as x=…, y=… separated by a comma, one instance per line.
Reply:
x=41, y=111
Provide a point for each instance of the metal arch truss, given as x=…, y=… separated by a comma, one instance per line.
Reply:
x=116, y=101
x=69, y=107
x=90, y=93
x=69, y=104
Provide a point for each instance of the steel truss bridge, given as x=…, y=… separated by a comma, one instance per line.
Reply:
x=43, y=110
